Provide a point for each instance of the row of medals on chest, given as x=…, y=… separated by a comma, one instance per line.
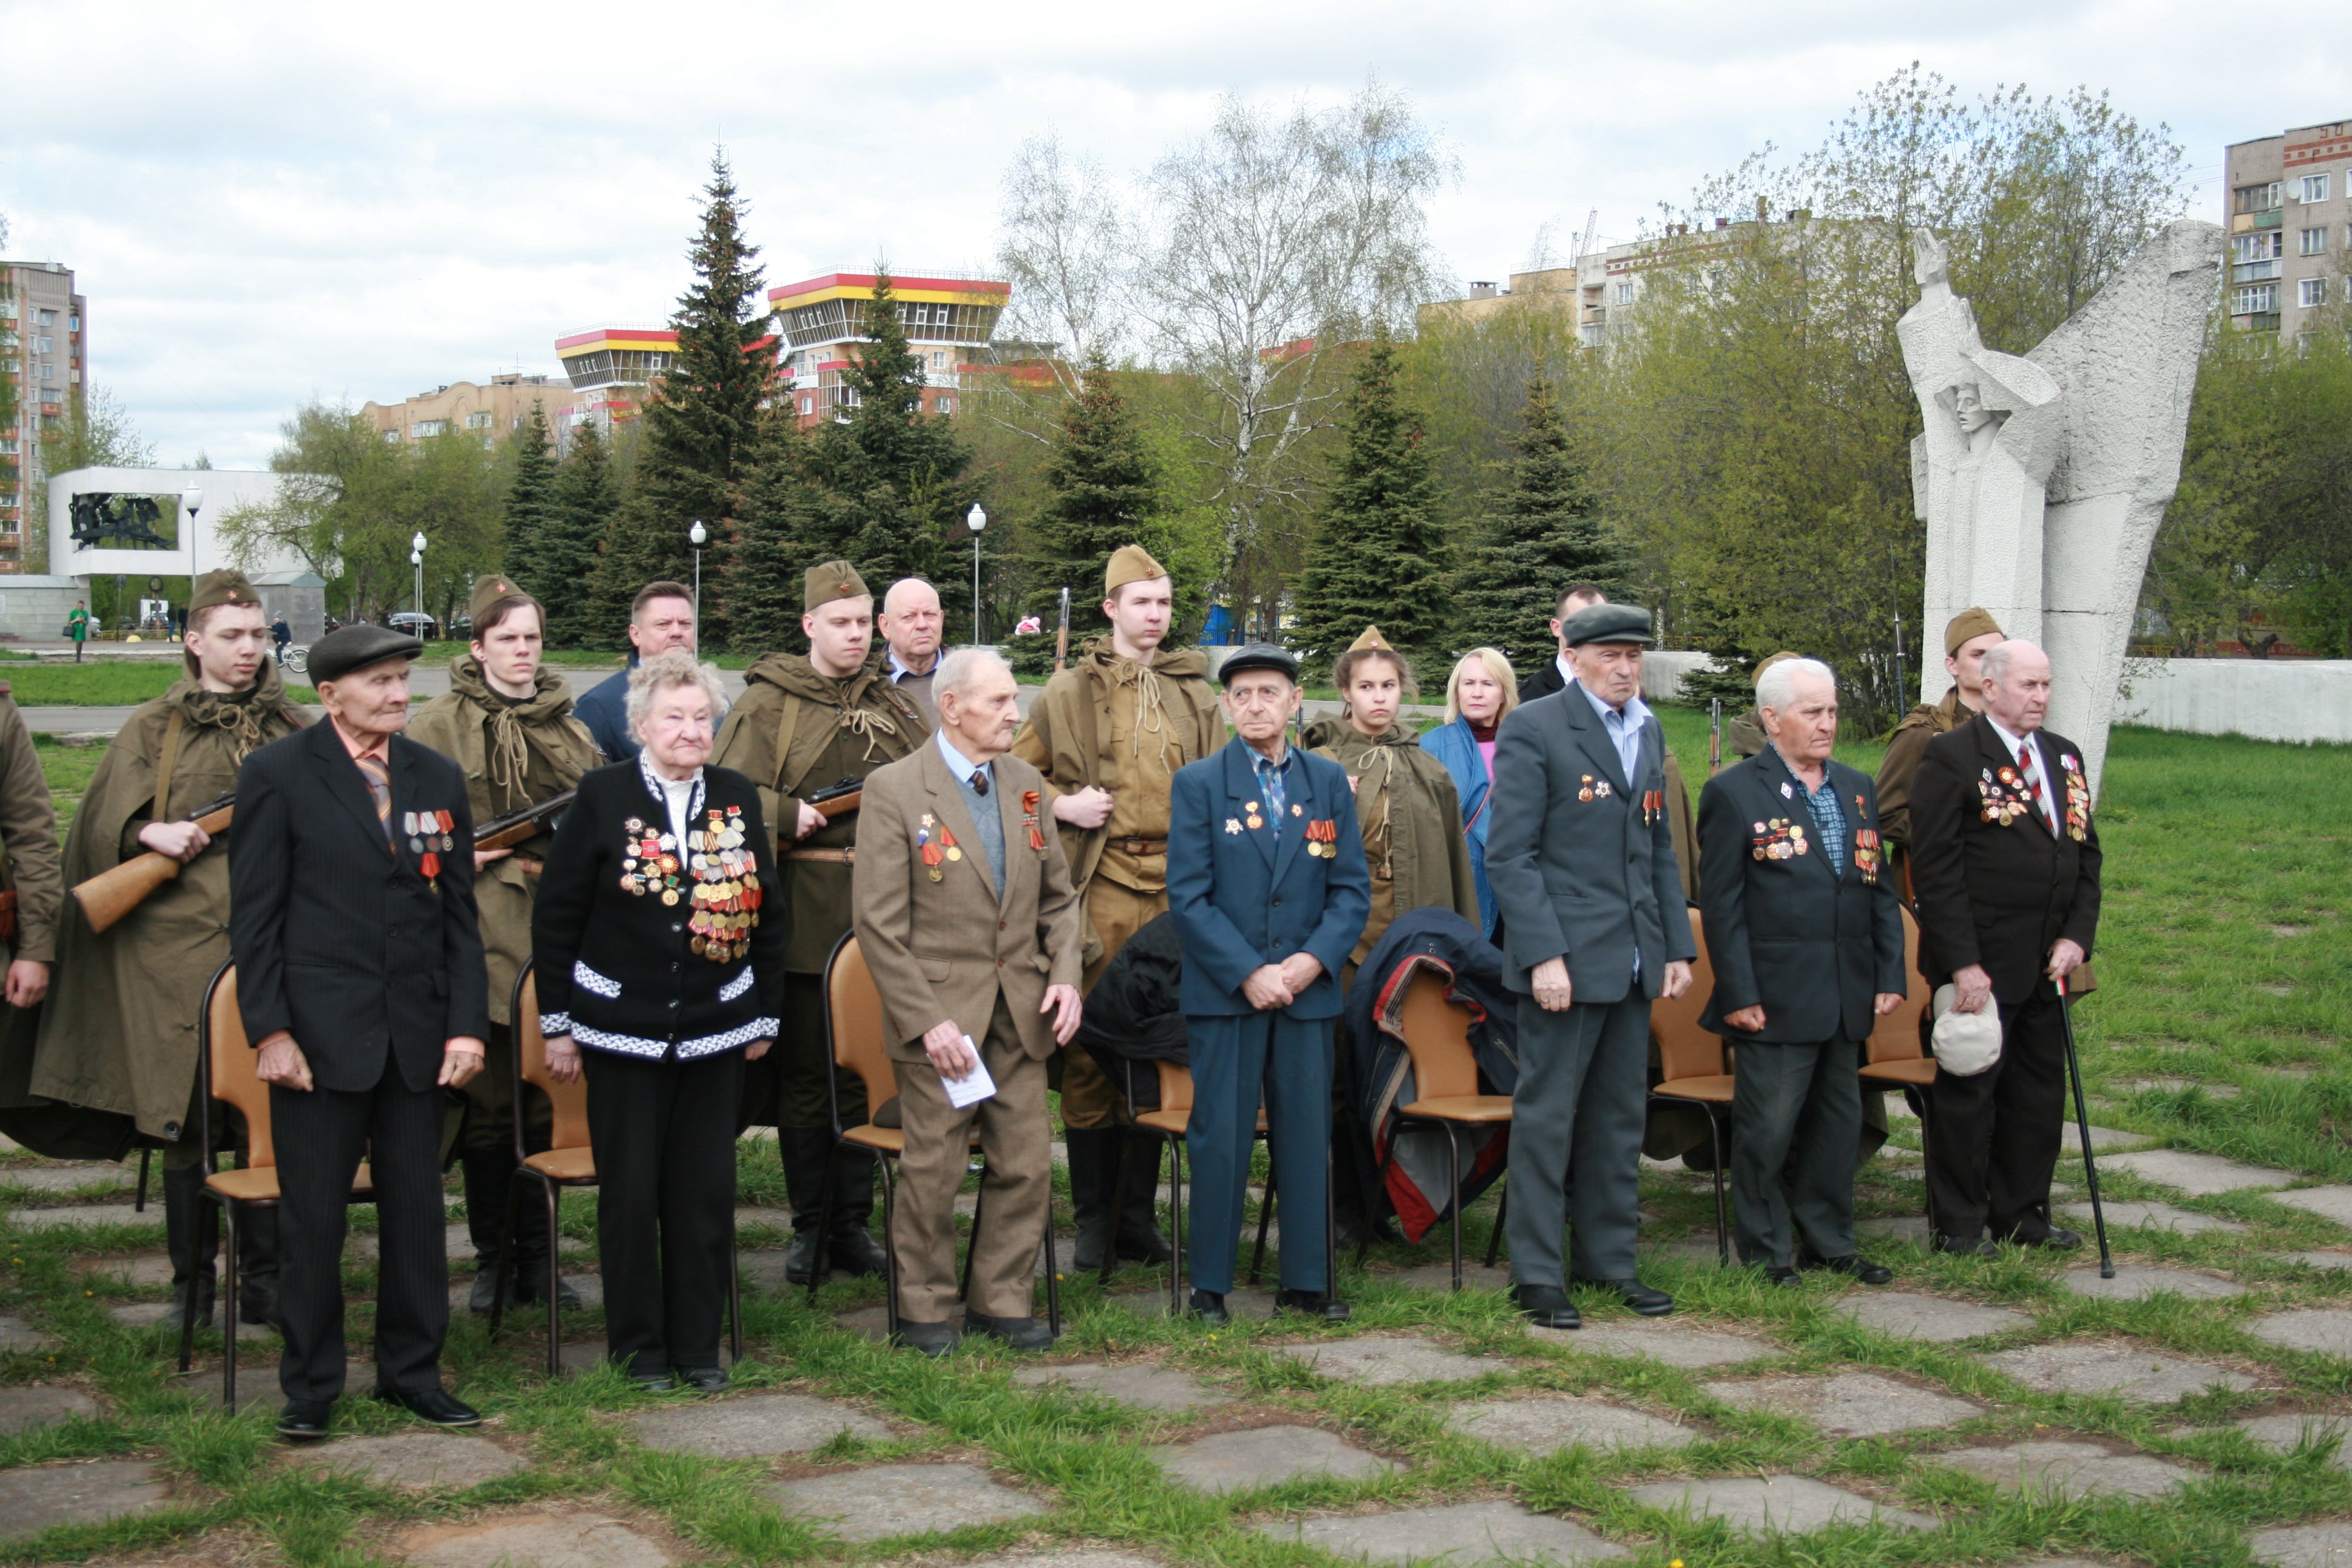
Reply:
x=1320, y=834
x=716, y=873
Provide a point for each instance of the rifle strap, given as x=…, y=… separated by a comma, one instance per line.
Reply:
x=784, y=726
x=163, y=768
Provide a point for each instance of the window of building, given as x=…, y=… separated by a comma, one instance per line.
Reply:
x=73, y=323
x=49, y=372
x=46, y=319
x=947, y=405
x=478, y=421
x=1625, y=292
x=808, y=405
x=2314, y=188
x=427, y=427
x=2257, y=300
x=392, y=436
x=2314, y=242
x=2256, y=247
x=8, y=444
x=44, y=345
x=2312, y=293
x=938, y=359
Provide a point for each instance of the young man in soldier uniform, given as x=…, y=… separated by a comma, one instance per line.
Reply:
x=507, y=721
x=32, y=889
x=805, y=723
x=1967, y=639
x=1110, y=733
x=120, y=1035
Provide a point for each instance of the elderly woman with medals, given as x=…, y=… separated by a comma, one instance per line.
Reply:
x=658, y=942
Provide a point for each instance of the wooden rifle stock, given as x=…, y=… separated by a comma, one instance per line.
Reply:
x=838, y=805
x=519, y=826
x=106, y=898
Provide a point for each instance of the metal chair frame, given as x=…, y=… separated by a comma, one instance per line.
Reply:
x=1682, y=1042
x=1893, y=1055
x=1443, y=1069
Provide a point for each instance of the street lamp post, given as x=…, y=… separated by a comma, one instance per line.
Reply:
x=192, y=501
x=975, y=520
x=416, y=559
x=697, y=536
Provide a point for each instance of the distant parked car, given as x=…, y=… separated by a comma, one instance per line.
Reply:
x=413, y=623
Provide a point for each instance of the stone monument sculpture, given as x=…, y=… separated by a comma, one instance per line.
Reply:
x=2041, y=478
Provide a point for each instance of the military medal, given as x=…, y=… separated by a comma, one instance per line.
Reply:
x=1029, y=819
x=1232, y=825
x=1585, y=792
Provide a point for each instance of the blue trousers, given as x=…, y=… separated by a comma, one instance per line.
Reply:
x=1233, y=1059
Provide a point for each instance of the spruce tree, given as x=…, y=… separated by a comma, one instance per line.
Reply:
x=702, y=418
x=1378, y=554
x=1542, y=534
x=773, y=536
x=583, y=498
x=529, y=500
x=1103, y=496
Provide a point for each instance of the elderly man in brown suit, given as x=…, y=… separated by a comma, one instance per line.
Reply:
x=965, y=910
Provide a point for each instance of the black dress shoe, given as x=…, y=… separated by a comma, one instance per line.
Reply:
x=437, y=1406
x=652, y=1383
x=305, y=1420
x=1634, y=1293
x=1546, y=1306
x=1208, y=1307
x=1854, y=1268
x=800, y=1257
x=934, y=1340
x=2055, y=1239
x=1311, y=1304
x=703, y=1379
x=530, y=1289
x=854, y=1250
x=1776, y=1274
x=482, y=1296
x=1020, y=1334
x=1963, y=1246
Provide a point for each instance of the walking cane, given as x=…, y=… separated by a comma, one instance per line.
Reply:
x=2083, y=1124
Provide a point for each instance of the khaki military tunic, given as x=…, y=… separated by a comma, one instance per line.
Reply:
x=1411, y=819
x=1900, y=766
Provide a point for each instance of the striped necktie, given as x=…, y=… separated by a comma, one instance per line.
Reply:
x=379, y=782
x=2027, y=758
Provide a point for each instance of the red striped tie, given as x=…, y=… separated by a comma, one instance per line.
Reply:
x=379, y=782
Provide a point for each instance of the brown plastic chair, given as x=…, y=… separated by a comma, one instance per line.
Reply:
x=1169, y=1123
x=853, y=1039
x=1893, y=1057
x=1691, y=1067
x=1445, y=1080
x=225, y=1071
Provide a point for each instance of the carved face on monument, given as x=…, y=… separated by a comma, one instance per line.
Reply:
x=1968, y=402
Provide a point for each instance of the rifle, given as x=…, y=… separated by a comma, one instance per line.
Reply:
x=837, y=800
x=1714, y=735
x=113, y=893
x=1061, y=638
x=519, y=826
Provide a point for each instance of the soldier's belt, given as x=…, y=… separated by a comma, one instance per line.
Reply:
x=825, y=857
x=1138, y=846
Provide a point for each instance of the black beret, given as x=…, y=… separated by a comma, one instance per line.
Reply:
x=1257, y=656
x=347, y=648
x=1594, y=623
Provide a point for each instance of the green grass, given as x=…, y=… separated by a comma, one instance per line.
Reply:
x=2227, y=874
x=111, y=684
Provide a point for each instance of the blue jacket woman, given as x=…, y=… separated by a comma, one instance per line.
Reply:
x=1480, y=691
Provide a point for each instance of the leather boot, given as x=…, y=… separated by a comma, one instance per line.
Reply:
x=802, y=1151
x=486, y=1173
x=191, y=1235
x=1094, y=1167
x=257, y=1267
x=1140, y=1240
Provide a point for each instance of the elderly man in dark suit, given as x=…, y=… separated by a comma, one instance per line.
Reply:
x=1595, y=928
x=2005, y=865
x=1805, y=933
x=360, y=979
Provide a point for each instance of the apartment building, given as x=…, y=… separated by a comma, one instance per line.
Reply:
x=950, y=318
x=44, y=352
x=2290, y=226
x=484, y=409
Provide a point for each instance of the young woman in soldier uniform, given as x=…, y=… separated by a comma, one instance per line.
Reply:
x=507, y=720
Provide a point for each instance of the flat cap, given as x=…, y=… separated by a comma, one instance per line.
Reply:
x=224, y=587
x=1607, y=623
x=833, y=580
x=1969, y=624
x=488, y=589
x=1756, y=675
x=1257, y=656
x=1133, y=564
x=347, y=648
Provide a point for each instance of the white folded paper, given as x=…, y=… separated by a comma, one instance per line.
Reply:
x=973, y=1088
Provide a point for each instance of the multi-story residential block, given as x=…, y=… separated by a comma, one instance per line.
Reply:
x=486, y=410
x=951, y=319
x=43, y=353
x=2290, y=225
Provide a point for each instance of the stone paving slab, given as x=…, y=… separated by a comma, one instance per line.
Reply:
x=1139, y=1385
x=256, y=1386
x=533, y=1541
x=87, y=1216
x=2284, y=1434
x=1850, y=1403
x=2133, y=1213
x=138, y=1270
x=1379, y=1361
x=2103, y=1138
x=46, y=1496
x=1080, y=1559
x=2328, y=1329
x=2173, y=1086
x=2198, y=1175
x=456, y=1240
x=37, y=1404
x=98, y=1174
x=1440, y=1276
x=1934, y=1319
x=1910, y=1228
x=147, y=1314
x=16, y=1334
x=754, y=1426
x=416, y=1460
x=2128, y=1371
x=2138, y=1281
x=1660, y=1339
x=2305, y=1546
x=903, y=1500
x=2333, y=1260
x=1264, y=1457
x=2328, y=1203
x=1549, y=1426
x=1796, y=1505
x=1151, y=1302
x=1458, y=1536
x=2076, y=1469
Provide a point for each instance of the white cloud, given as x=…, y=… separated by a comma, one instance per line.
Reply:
x=266, y=201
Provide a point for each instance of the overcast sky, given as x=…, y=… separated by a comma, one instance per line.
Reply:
x=270, y=203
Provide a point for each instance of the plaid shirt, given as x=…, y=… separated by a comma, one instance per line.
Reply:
x=1829, y=818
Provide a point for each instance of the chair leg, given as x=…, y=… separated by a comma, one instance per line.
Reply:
x=821, y=1255
x=228, y=1306
x=139, y=1203
x=1331, y=1225
x=1176, y=1224
x=1265, y=1218
x=1502, y=1213
x=514, y=1222
x=979, y=1207
x=187, y=1309
x=1380, y=1188
x=1722, y=1215
x=1453, y=1174
x=1927, y=1160
x=554, y=1307
x=734, y=1297
x=889, y=1245
x=1117, y=1206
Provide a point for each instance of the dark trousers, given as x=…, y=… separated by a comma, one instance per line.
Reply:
x=320, y=1135
x=1796, y=1122
x=1576, y=1128
x=1235, y=1060
x=664, y=1137
x=1994, y=1136
x=786, y=1089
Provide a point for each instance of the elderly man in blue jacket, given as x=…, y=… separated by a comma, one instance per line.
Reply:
x=1266, y=881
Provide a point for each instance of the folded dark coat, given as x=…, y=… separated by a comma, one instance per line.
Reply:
x=1136, y=1013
